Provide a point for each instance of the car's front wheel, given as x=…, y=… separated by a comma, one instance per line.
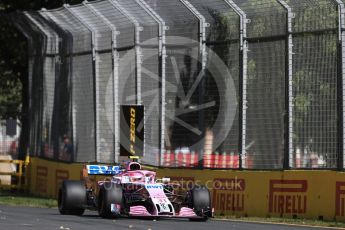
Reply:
x=199, y=199
x=109, y=194
x=72, y=198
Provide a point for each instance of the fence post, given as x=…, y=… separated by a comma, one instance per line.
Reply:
x=138, y=53
x=138, y=57
x=340, y=83
x=202, y=31
x=57, y=58
x=96, y=91
x=202, y=41
x=242, y=82
x=115, y=74
x=288, y=121
x=162, y=70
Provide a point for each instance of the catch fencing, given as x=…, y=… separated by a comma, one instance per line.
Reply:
x=225, y=84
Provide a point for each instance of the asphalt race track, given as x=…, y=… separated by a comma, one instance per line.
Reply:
x=46, y=219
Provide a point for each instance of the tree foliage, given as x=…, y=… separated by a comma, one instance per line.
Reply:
x=14, y=56
x=13, y=70
x=14, y=62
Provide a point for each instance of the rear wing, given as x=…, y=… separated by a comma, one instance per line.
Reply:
x=103, y=169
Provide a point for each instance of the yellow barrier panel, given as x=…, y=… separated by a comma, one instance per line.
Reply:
x=46, y=176
x=302, y=194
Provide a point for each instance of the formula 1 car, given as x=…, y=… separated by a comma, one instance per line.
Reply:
x=133, y=192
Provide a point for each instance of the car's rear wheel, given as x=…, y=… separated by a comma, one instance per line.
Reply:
x=72, y=198
x=199, y=199
x=109, y=193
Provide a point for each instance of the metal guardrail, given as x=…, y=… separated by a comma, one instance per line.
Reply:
x=21, y=179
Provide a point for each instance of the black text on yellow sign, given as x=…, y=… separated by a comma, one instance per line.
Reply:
x=131, y=130
x=228, y=194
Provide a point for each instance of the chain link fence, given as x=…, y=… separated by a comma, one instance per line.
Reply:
x=314, y=82
x=231, y=84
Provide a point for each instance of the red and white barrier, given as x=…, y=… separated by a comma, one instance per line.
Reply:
x=298, y=158
x=186, y=158
x=168, y=159
x=194, y=159
x=181, y=157
x=208, y=159
x=221, y=160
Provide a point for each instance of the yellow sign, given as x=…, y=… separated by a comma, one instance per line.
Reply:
x=302, y=194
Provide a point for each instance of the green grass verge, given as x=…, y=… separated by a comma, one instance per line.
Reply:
x=22, y=199
x=277, y=220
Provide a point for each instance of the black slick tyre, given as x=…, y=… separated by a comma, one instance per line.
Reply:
x=72, y=198
x=109, y=193
x=200, y=201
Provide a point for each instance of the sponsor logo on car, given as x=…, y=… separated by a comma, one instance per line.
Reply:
x=133, y=197
x=103, y=169
x=154, y=186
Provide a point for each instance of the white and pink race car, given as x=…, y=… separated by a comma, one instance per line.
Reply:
x=133, y=192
